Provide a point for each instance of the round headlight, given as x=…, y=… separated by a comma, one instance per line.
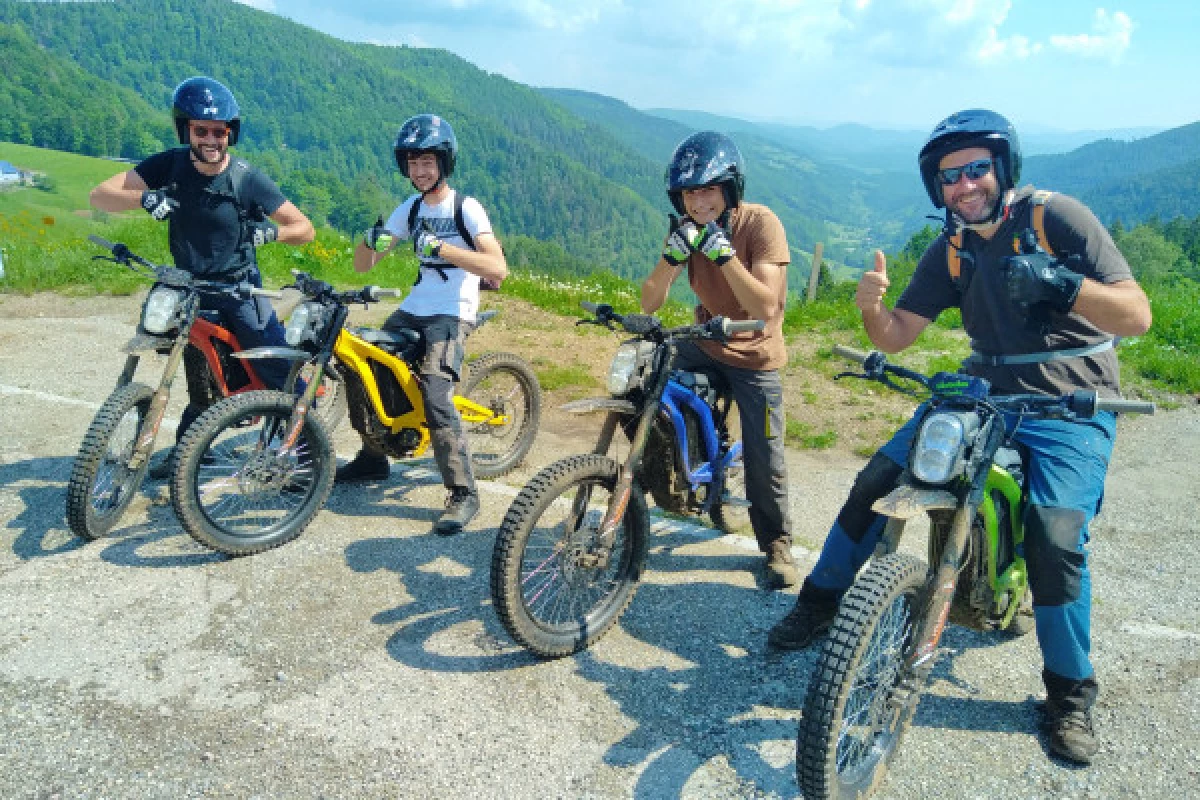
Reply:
x=301, y=323
x=621, y=370
x=161, y=309
x=936, y=454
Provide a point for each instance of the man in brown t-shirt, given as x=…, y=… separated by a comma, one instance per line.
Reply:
x=1039, y=323
x=736, y=256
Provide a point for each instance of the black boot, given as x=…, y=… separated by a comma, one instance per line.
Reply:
x=367, y=466
x=1067, y=717
x=461, y=507
x=812, y=615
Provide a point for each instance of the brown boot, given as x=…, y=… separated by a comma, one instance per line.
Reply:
x=781, y=566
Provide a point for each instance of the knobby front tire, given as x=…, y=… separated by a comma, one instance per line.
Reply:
x=854, y=715
x=548, y=600
x=102, y=485
x=506, y=384
x=231, y=489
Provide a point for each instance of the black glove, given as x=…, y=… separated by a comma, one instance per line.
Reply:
x=714, y=243
x=158, y=203
x=425, y=242
x=681, y=240
x=263, y=232
x=1038, y=278
x=377, y=237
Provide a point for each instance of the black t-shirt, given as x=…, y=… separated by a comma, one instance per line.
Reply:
x=206, y=233
x=997, y=327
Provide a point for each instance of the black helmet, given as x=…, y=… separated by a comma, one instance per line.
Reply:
x=975, y=127
x=427, y=133
x=202, y=98
x=704, y=159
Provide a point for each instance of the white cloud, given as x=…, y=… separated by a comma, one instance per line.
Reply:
x=261, y=5
x=1109, y=39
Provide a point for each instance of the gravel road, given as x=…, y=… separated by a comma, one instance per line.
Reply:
x=364, y=660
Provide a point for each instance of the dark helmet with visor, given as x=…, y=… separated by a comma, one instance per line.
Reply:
x=203, y=98
x=427, y=133
x=705, y=159
x=975, y=127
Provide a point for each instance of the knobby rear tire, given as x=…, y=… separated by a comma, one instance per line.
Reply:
x=526, y=408
x=302, y=491
x=546, y=601
x=89, y=515
x=870, y=639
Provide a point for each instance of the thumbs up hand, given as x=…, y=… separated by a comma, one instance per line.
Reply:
x=873, y=286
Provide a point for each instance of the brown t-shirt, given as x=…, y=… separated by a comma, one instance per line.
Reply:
x=758, y=238
x=997, y=327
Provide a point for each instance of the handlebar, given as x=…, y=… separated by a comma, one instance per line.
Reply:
x=643, y=324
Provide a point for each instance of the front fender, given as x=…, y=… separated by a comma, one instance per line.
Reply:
x=906, y=502
x=602, y=404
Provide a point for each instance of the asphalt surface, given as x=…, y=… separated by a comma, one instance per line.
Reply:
x=364, y=659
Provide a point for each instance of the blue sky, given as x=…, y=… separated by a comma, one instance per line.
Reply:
x=1046, y=64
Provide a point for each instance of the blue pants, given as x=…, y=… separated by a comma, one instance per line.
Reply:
x=1067, y=465
x=254, y=323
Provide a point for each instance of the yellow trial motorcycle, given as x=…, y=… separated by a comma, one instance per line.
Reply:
x=255, y=469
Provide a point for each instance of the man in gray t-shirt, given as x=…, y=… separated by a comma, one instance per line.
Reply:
x=1038, y=323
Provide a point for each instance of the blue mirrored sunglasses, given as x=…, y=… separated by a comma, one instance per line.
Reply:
x=974, y=170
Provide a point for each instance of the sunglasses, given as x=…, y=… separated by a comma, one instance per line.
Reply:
x=974, y=171
x=201, y=132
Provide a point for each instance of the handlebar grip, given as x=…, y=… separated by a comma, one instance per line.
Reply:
x=1123, y=406
x=589, y=306
x=742, y=325
x=849, y=353
x=389, y=292
x=105, y=243
x=256, y=292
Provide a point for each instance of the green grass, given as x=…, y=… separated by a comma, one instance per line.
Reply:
x=561, y=376
x=805, y=436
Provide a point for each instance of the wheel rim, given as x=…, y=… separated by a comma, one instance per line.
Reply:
x=868, y=729
x=244, y=487
x=559, y=590
x=502, y=392
x=113, y=476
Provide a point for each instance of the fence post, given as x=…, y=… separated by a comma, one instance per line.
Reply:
x=816, y=272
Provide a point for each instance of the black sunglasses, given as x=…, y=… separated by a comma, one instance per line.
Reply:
x=974, y=170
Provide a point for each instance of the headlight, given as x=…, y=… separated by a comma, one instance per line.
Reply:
x=161, y=309
x=622, y=368
x=935, y=456
x=301, y=323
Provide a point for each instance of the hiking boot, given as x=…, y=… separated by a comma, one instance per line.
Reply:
x=160, y=465
x=781, y=566
x=363, y=468
x=1069, y=733
x=804, y=623
x=461, y=507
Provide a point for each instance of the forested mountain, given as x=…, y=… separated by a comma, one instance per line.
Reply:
x=321, y=115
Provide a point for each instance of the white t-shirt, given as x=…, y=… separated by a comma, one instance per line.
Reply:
x=458, y=295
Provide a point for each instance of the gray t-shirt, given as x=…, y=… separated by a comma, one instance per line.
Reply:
x=996, y=326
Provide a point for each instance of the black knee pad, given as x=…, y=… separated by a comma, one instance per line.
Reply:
x=1052, y=555
x=438, y=393
x=875, y=480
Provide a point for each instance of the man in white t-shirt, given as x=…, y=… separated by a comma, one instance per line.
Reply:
x=442, y=304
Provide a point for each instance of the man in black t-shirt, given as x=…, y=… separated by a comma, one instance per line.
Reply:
x=218, y=210
x=1039, y=323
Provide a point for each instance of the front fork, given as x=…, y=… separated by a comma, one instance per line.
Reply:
x=301, y=408
x=158, y=403
x=940, y=591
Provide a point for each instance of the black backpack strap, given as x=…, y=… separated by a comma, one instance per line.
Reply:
x=412, y=215
x=460, y=222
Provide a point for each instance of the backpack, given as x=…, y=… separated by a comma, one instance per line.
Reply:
x=1038, y=222
x=486, y=284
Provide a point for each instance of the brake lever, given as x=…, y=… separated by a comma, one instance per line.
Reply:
x=601, y=323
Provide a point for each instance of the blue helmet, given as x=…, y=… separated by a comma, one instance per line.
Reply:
x=975, y=127
x=202, y=98
x=427, y=133
x=705, y=159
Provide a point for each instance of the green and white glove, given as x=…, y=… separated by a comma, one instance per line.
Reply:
x=680, y=242
x=714, y=243
x=425, y=242
x=377, y=237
